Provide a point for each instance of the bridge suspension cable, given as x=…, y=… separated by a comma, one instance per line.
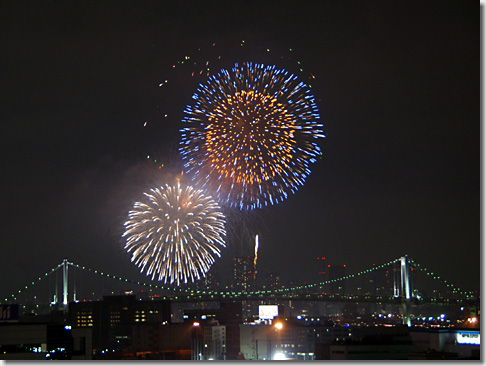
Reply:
x=416, y=265
x=26, y=287
x=188, y=291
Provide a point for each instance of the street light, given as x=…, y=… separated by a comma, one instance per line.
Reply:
x=195, y=345
x=279, y=355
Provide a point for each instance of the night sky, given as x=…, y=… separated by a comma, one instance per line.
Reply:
x=396, y=86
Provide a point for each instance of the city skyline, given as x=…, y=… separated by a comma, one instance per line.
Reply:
x=395, y=87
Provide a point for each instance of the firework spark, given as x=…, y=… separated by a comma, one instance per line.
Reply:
x=255, y=258
x=176, y=233
x=250, y=135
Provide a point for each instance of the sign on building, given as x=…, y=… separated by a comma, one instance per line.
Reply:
x=267, y=311
x=468, y=337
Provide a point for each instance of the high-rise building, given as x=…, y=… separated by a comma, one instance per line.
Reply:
x=322, y=274
x=327, y=273
x=243, y=276
x=244, y=279
x=271, y=281
x=210, y=281
x=335, y=273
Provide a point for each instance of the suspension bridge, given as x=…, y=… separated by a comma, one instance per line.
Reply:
x=391, y=282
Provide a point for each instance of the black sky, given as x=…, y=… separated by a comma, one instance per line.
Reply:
x=397, y=84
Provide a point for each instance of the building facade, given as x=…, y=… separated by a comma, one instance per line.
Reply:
x=112, y=319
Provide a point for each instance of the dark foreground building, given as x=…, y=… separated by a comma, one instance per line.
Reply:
x=113, y=318
x=37, y=341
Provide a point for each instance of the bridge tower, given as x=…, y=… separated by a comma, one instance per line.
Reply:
x=65, y=282
x=405, y=277
x=405, y=289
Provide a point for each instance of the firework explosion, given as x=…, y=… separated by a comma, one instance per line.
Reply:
x=175, y=233
x=250, y=135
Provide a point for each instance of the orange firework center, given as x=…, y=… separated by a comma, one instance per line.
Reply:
x=245, y=131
